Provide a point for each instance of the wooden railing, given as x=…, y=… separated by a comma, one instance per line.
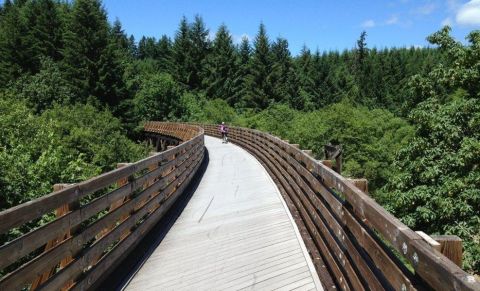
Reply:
x=350, y=237
x=94, y=224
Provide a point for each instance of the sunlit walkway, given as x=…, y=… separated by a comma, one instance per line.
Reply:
x=235, y=233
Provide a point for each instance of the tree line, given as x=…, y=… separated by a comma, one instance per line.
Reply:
x=407, y=117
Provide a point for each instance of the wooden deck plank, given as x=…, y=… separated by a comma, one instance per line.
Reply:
x=234, y=233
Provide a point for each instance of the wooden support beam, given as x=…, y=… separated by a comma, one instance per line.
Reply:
x=361, y=184
x=451, y=247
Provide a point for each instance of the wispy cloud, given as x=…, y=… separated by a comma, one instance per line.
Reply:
x=237, y=38
x=469, y=13
x=426, y=9
x=447, y=21
x=368, y=23
x=392, y=20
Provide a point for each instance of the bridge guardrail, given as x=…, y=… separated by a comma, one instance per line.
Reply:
x=98, y=221
x=344, y=229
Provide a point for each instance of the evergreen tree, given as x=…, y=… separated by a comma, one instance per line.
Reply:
x=91, y=57
x=15, y=50
x=200, y=47
x=181, y=53
x=44, y=30
x=165, y=54
x=119, y=36
x=147, y=48
x=221, y=68
x=283, y=76
x=260, y=69
x=242, y=77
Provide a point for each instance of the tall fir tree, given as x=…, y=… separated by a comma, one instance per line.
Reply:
x=199, y=51
x=242, y=78
x=165, y=54
x=91, y=57
x=283, y=76
x=45, y=30
x=260, y=69
x=181, y=53
x=15, y=49
x=221, y=68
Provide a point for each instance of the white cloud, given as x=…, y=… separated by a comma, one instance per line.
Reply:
x=392, y=20
x=469, y=13
x=447, y=21
x=368, y=23
x=426, y=9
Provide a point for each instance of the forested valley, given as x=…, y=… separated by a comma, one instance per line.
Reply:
x=75, y=90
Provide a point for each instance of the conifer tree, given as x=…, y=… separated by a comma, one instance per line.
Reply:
x=282, y=78
x=221, y=68
x=165, y=54
x=15, y=50
x=181, y=53
x=44, y=30
x=199, y=51
x=260, y=69
x=92, y=58
x=242, y=78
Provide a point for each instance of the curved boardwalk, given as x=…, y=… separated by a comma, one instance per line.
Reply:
x=235, y=233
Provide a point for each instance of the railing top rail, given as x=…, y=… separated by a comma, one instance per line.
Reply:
x=428, y=263
x=30, y=210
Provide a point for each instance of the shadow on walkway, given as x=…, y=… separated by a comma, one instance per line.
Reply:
x=121, y=276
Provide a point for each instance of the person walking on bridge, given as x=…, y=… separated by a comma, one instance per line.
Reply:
x=224, y=132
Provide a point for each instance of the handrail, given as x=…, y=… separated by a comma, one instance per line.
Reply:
x=106, y=217
x=343, y=228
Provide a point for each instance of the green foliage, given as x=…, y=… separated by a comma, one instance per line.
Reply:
x=63, y=145
x=437, y=186
x=158, y=98
x=370, y=138
x=44, y=89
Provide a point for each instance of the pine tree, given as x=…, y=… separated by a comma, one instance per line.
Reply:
x=44, y=31
x=92, y=55
x=119, y=36
x=15, y=50
x=260, y=69
x=147, y=48
x=221, y=68
x=165, y=54
x=199, y=51
x=181, y=53
x=242, y=78
x=282, y=78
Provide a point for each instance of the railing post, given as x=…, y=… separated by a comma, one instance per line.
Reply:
x=361, y=184
x=334, y=152
x=451, y=247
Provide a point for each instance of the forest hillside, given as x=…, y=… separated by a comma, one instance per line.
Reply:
x=76, y=89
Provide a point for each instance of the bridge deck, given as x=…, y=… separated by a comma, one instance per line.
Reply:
x=235, y=233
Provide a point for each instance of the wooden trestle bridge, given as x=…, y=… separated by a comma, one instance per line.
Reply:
x=258, y=213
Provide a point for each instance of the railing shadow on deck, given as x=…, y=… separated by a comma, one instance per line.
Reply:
x=122, y=275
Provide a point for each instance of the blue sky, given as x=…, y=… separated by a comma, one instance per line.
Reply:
x=326, y=25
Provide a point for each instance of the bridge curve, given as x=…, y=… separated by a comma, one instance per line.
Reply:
x=353, y=243
x=235, y=233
